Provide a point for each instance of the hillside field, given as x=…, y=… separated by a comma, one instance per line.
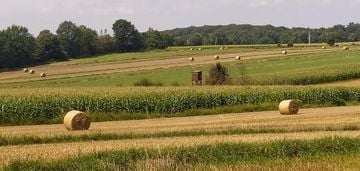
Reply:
x=177, y=126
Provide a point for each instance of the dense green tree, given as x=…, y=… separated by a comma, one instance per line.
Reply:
x=87, y=39
x=127, y=38
x=153, y=40
x=105, y=44
x=17, y=47
x=67, y=33
x=48, y=47
x=249, y=34
x=195, y=40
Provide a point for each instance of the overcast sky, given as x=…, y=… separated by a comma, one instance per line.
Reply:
x=37, y=15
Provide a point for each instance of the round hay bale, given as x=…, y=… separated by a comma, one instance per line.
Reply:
x=284, y=52
x=221, y=48
x=32, y=71
x=216, y=57
x=346, y=48
x=191, y=48
x=26, y=70
x=76, y=120
x=289, y=107
x=324, y=47
x=191, y=59
x=199, y=49
x=43, y=75
x=238, y=58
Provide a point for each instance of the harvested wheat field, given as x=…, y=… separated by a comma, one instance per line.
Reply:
x=187, y=131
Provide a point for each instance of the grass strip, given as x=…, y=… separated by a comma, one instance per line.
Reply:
x=215, y=154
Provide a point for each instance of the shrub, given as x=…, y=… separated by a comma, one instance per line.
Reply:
x=147, y=83
x=218, y=75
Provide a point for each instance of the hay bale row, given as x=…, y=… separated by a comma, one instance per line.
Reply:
x=76, y=120
x=289, y=107
x=32, y=72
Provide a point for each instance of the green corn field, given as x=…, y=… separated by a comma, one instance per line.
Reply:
x=48, y=104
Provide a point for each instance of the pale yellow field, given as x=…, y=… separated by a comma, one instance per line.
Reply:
x=307, y=118
x=320, y=118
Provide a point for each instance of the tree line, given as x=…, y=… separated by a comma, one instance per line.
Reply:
x=268, y=34
x=19, y=48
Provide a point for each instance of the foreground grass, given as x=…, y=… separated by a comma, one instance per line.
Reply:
x=263, y=154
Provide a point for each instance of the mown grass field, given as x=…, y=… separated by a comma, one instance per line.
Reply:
x=181, y=127
x=265, y=68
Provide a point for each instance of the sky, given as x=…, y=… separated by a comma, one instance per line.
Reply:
x=37, y=15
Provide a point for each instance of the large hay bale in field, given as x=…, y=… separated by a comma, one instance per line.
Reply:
x=191, y=48
x=32, y=72
x=216, y=57
x=346, y=48
x=200, y=49
x=43, y=75
x=191, y=59
x=284, y=52
x=76, y=120
x=323, y=47
x=289, y=107
x=221, y=48
x=238, y=58
x=26, y=70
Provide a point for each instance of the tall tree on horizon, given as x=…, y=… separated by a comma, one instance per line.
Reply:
x=17, y=47
x=48, y=47
x=67, y=33
x=126, y=36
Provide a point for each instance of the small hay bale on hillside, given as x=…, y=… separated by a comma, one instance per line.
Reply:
x=26, y=70
x=216, y=57
x=76, y=120
x=289, y=107
x=221, y=48
x=323, y=47
x=32, y=72
x=43, y=75
x=346, y=48
x=191, y=48
x=200, y=49
x=191, y=59
x=284, y=52
x=238, y=58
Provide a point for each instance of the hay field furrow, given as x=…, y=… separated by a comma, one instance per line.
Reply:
x=63, y=150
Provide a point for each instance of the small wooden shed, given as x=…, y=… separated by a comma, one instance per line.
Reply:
x=197, y=77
